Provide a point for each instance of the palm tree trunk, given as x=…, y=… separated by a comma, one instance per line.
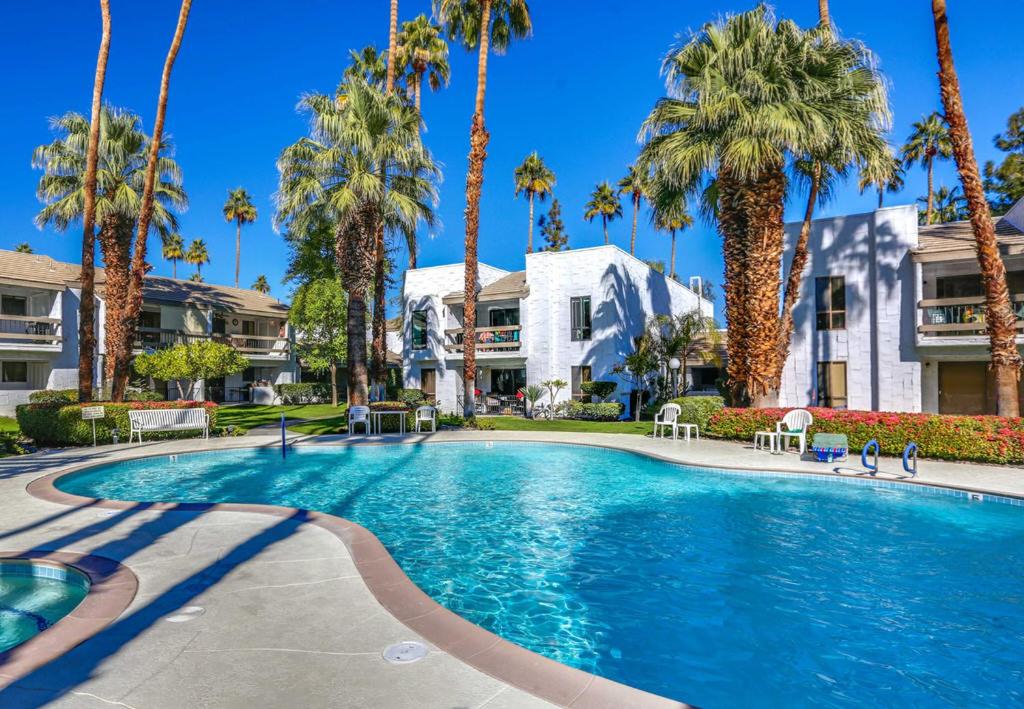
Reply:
x=238, y=249
x=999, y=314
x=378, y=362
x=529, y=236
x=392, y=47
x=115, y=244
x=931, y=191
x=174, y=268
x=417, y=90
x=672, y=259
x=358, y=379
x=478, y=139
x=732, y=225
x=796, y=270
x=134, y=304
x=881, y=197
x=604, y=223
x=87, y=302
x=334, y=383
x=823, y=18
x=636, y=212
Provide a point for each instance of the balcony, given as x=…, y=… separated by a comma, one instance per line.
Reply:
x=155, y=338
x=503, y=338
x=30, y=332
x=959, y=317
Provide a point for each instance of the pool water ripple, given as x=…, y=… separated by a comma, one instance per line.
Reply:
x=714, y=588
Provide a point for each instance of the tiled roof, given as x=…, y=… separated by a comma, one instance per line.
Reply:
x=957, y=236
x=39, y=269
x=511, y=286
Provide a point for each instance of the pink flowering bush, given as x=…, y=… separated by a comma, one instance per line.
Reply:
x=983, y=439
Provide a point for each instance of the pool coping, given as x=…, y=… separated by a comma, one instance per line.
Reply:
x=112, y=588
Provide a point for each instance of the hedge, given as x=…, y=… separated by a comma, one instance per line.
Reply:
x=305, y=392
x=62, y=424
x=54, y=396
x=982, y=439
x=699, y=409
x=602, y=390
x=584, y=411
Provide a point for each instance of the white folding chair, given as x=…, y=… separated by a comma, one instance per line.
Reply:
x=667, y=417
x=794, y=425
x=359, y=415
x=426, y=414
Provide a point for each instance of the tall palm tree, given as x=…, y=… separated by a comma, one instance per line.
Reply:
x=534, y=179
x=362, y=165
x=604, y=203
x=260, y=285
x=885, y=175
x=126, y=336
x=423, y=54
x=727, y=131
x=120, y=177
x=24, y=248
x=928, y=140
x=635, y=184
x=389, y=81
x=668, y=214
x=480, y=25
x=240, y=210
x=87, y=301
x=197, y=255
x=823, y=17
x=999, y=315
x=173, y=251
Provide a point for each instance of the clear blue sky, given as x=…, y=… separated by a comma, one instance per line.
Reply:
x=576, y=91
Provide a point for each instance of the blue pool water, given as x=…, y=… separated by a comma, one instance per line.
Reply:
x=35, y=596
x=719, y=589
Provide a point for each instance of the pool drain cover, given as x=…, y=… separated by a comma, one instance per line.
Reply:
x=186, y=614
x=405, y=652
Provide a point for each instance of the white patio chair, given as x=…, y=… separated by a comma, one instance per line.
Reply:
x=667, y=417
x=794, y=425
x=357, y=415
x=426, y=414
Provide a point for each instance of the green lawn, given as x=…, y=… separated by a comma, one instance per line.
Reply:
x=334, y=424
x=514, y=423
x=246, y=416
x=8, y=425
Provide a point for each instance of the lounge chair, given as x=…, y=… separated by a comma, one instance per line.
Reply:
x=426, y=414
x=794, y=425
x=667, y=417
x=357, y=415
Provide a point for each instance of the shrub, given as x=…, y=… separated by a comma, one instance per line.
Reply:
x=143, y=395
x=62, y=424
x=412, y=397
x=304, y=393
x=54, y=396
x=608, y=411
x=983, y=439
x=10, y=444
x=602, y=390
x=699, y=409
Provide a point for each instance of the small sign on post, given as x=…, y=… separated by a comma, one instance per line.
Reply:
x=91, y=413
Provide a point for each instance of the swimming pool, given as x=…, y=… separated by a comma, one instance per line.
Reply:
x=711, y=587
x=34, y=596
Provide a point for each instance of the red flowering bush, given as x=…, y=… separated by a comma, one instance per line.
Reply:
x=983, y=439
x=62, y=424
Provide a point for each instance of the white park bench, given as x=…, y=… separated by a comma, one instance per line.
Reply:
x=150, y=420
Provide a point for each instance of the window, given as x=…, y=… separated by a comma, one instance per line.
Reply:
x=830, y=302
x=15, y=372
x=503, y=317
x=507, y=382
x=248, y=327
x=419, y=329
x=220, y=325
x=13, y=305
x=149, y=318
x=580, y=317
x=255, y=375
x=428, y=382
x=580, y=375
x=832, y=385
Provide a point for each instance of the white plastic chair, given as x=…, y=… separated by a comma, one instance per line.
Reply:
x=357, y=415
x=794, y=425
x=426, y=414
x=667, y=417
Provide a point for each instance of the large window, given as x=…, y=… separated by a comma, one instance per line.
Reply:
x=419, y=329
x=503, y=317
x=832, y=385
x=830, y=302
x=580, y=375
x=507, y=382
x=580, y=317
x=14, y=372
x=13, y=305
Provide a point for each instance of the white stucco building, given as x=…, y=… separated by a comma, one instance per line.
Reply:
x=39, y=299
x=891, y=314
x=568, y=315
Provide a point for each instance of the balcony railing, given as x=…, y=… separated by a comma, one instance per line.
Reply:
x=257, y=344
x=155, y=338
x=960, y=317
x=504, y=338
x=30, y=330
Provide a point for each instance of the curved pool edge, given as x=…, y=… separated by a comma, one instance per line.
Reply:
x=479, y=648
x=112, y=588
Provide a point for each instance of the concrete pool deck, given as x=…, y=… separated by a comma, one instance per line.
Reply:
x=288, y=617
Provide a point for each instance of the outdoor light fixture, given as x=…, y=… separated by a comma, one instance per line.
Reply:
x=115, y=434
x=674, y=364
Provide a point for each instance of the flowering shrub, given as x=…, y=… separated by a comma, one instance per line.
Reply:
x=983, y=439
x=62, y=424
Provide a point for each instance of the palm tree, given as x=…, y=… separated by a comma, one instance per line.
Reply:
x=260, y=285
x=87, y=299
x=196, y=278
x=635, y=185
x=423, y=53
x=174, y=251
x=686, y=337
x=240, y=210
x=123, y=341
x=823, y=18
x=389, y=81
x=999, y=315
x=363, y=165
x=726, y=132
x=928, y=140
x=885, y=175
x=480, y=25
x=950, y=205
x=669, y=215
x=603, y=203
x=197, y=255
x=121, y=165
x=534, y=179
x=24, y=248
